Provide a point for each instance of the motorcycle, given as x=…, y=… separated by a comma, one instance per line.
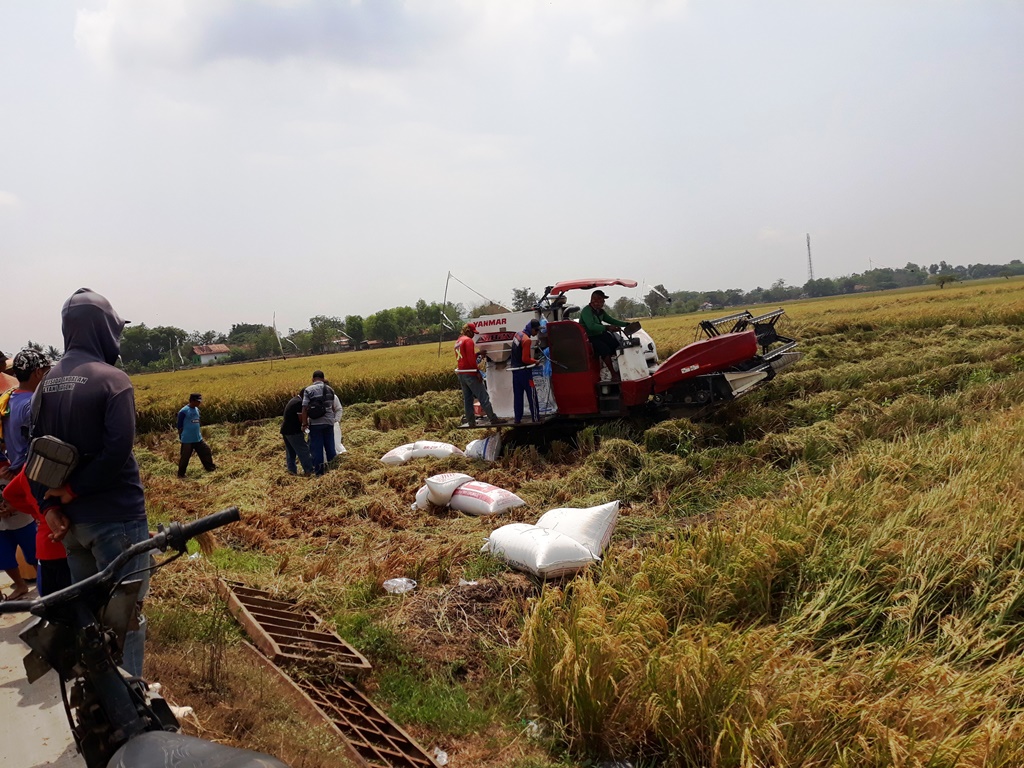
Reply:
x=116, y=720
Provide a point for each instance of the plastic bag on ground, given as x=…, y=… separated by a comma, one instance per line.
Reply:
x=476, y=498
x=399, y=586
x=591, y=526
x=539, y=551
x=441, y=487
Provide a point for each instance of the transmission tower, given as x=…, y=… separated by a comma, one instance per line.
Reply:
x=810, y=264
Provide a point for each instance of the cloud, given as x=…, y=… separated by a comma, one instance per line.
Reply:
x=368, y=33
x=770, y=234
x=178, y=33
x=8, y=200
x=581, y=52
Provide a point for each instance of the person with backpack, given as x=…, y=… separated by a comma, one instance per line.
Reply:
x=318, y=415
x=295, y=446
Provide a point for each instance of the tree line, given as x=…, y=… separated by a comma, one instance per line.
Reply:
x=167, y=347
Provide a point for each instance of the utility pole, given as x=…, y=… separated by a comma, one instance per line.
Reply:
x=810, y=264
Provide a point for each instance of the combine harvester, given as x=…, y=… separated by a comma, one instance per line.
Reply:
x=739, y=353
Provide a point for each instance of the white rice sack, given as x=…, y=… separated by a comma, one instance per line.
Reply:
x=398, y=455
x=591, y=526
x=492, y=447
x=423, y=448
x=476, y=498
x=441, y=487
x=422, y=502
x=539, y=551
x=487, y=449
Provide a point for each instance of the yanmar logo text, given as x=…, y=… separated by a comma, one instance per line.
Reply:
x=488, y=323
x=688, y=368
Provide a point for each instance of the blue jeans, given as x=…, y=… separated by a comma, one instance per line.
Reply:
x=522, y=386
x=91, y=548
x=24, y=537
x=295, y=447
x=321, y=443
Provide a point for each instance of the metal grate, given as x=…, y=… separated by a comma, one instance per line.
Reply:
x=377, y=740
x=286, y=632
x=287, y=635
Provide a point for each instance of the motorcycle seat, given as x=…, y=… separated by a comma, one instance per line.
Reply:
x=161, y=749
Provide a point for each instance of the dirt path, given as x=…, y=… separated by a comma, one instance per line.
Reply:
x=34, y=723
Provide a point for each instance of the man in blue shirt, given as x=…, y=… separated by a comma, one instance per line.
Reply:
x=191, y=436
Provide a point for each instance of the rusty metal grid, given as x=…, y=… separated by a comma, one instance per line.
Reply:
x=378, y=740
x=286, y=632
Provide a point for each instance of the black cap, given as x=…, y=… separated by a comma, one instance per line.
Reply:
x=599, y=294
x=318, y=374
x=196, y=396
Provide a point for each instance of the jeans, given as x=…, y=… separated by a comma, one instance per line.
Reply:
x=205, y=456
x=295, y=447
x=321, y=443
x=522, y=384
x=52, y=576
x=91, y=548
x=473, y=386
x=11, y=540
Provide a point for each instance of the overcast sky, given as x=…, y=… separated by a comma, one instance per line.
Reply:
x=206, y=162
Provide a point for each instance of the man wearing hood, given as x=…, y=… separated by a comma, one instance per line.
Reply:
x=88, y=402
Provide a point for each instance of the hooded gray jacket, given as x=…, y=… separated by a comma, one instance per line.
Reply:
x=89, y=403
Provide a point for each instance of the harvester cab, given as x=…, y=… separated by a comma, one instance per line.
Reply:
x=738, y=353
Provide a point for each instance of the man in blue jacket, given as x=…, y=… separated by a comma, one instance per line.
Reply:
x=88, y=402
x=191, y=436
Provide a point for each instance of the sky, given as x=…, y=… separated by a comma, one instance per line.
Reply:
x=209, y=162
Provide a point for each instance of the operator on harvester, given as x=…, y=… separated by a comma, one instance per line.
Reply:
x=595, y=320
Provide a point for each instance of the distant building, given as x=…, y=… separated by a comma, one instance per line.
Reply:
x=707, y=305
x=211, y=353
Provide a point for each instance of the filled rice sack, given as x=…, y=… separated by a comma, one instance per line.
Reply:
x=486, y=448
x=423, y=448
x=590, y=526
x=422, y=502
x=539, y=551
x=441, y=487
x=476, y=498
x=398, y=455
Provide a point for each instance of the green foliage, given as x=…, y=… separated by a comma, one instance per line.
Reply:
x=523, y=299
x=435, y=701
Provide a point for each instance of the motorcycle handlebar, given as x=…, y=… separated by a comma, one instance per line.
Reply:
x=176, y=536
x=179, y=534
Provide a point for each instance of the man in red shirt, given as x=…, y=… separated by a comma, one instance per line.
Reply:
x=470, y=380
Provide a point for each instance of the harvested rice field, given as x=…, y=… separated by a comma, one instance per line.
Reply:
x=828, y=572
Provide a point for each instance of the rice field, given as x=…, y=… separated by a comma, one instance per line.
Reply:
x=829, y=572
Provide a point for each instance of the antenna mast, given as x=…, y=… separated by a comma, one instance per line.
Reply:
x=810, y=264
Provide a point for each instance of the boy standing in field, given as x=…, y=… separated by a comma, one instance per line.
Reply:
x=191, y=436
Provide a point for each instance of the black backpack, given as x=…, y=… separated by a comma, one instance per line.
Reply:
x=318, y=404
